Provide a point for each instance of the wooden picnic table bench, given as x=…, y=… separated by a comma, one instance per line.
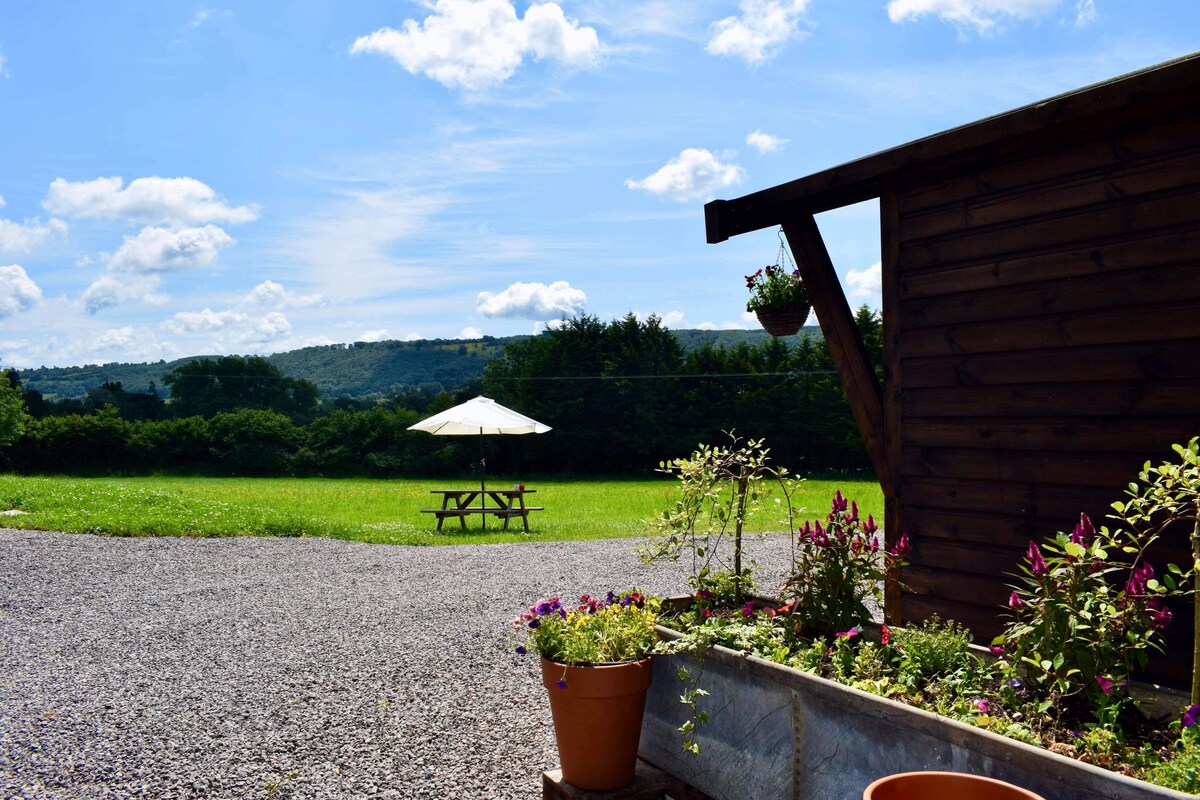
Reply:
x=457, y=503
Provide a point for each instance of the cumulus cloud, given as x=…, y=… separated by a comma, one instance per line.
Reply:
x=475, y=44
x=234, y=325
x=759, y=32
x=413, y=336
x=205, y=321
x=273, y=295
x=470, y=332
x=166, y=250
x=764, y=142
x=866, y=284
x=111, y=290
x=695, y=174
x=533, y=301
x=152, y=201
x=982, y=15
x=372, y=336
x=18, y=292
x=17, y=237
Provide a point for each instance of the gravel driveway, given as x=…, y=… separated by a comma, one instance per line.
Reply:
x=283, y=668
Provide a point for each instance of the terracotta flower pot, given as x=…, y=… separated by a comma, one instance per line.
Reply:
x=944, y=786
x=783, y=320
x=598, y=720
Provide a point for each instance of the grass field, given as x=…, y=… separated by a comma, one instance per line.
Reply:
x=379, y=511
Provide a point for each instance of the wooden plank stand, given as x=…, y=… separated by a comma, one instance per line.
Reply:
x=649, y=783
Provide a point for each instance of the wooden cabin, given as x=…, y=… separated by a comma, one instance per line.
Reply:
x=1041, y=312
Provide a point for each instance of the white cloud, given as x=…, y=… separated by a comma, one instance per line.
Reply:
x=470, y=332
x=474, y=44
x=3, y=67
x=205, y=321
x=3, y=202
x=372, y=336
x=110, y=290
x=234, y=326
x=533, y=301
x=764, y=142
x=18, y=292
x=983, y=15
x=413, y=336
x=273, y=325
x=164, y=250
x=1085, y=13
x=866, y=284
x=695, y=174
x=272, y=294
x=17, y=237
x=671, y=319
x=153, y=201
x=200, y=17
x=760, y=32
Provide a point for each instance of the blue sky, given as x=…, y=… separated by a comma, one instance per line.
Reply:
x=181, y=178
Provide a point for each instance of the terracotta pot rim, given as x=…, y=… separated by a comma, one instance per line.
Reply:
x=595, y=665
x=966, y=777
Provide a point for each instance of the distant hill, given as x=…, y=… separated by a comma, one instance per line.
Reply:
x=361, y=369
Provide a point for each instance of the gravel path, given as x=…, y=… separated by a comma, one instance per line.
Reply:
x=283, y=668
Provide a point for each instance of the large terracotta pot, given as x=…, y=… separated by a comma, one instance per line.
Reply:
x=783, y=320
x=944, y=786
x=598, y=720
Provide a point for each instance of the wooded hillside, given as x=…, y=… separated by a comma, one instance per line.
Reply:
x=359, y=370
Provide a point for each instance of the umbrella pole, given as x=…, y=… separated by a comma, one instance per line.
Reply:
x=482, y=484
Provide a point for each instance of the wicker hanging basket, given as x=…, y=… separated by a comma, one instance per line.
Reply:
x=783, y=320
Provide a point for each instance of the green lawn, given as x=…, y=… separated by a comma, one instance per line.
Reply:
x=367, y=510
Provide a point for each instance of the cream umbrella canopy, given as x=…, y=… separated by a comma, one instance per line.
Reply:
x=481, y=417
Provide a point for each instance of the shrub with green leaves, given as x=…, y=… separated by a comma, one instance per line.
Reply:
x=932, y=650
x=720, y=489
x=838, y=568
x=1090, y=606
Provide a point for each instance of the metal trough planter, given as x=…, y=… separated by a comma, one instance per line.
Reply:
x=778, y=732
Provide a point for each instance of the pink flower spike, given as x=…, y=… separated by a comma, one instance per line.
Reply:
x=1037, y=563
x=1014, y=601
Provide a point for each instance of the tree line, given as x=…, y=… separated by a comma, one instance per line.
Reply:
x=621, y=396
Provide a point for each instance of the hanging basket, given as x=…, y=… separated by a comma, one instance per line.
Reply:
x=783, y=320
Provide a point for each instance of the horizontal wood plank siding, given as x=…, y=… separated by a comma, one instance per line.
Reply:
x=1046, y=342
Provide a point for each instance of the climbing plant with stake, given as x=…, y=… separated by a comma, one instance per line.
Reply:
x=720, y=489
x=1168, y=495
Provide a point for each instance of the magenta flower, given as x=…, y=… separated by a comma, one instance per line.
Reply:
x=996, y=650
x=850, y=634
x=1136, y=585
x=1160, y=615
x=748, y=609
x=1191, y=716
x=1083, y=532
x=1037, y=563
x=981, y=705
x=1015, y=601
x=902, y=547
x=1106, y=684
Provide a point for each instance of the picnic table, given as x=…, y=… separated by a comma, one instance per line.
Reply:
x=461, y=503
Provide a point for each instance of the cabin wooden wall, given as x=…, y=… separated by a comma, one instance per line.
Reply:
x=1042, y=312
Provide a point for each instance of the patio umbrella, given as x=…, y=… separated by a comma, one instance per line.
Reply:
x=481, y=416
